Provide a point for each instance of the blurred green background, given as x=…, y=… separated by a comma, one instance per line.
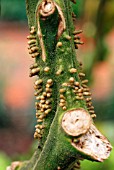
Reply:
x=17, y=113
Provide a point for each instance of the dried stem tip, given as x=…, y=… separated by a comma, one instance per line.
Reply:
x=47, y=8
x=76, y=122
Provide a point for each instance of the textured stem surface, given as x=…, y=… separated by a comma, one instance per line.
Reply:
x=64, y=111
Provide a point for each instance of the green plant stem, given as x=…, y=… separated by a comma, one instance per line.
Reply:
x=55, y=41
